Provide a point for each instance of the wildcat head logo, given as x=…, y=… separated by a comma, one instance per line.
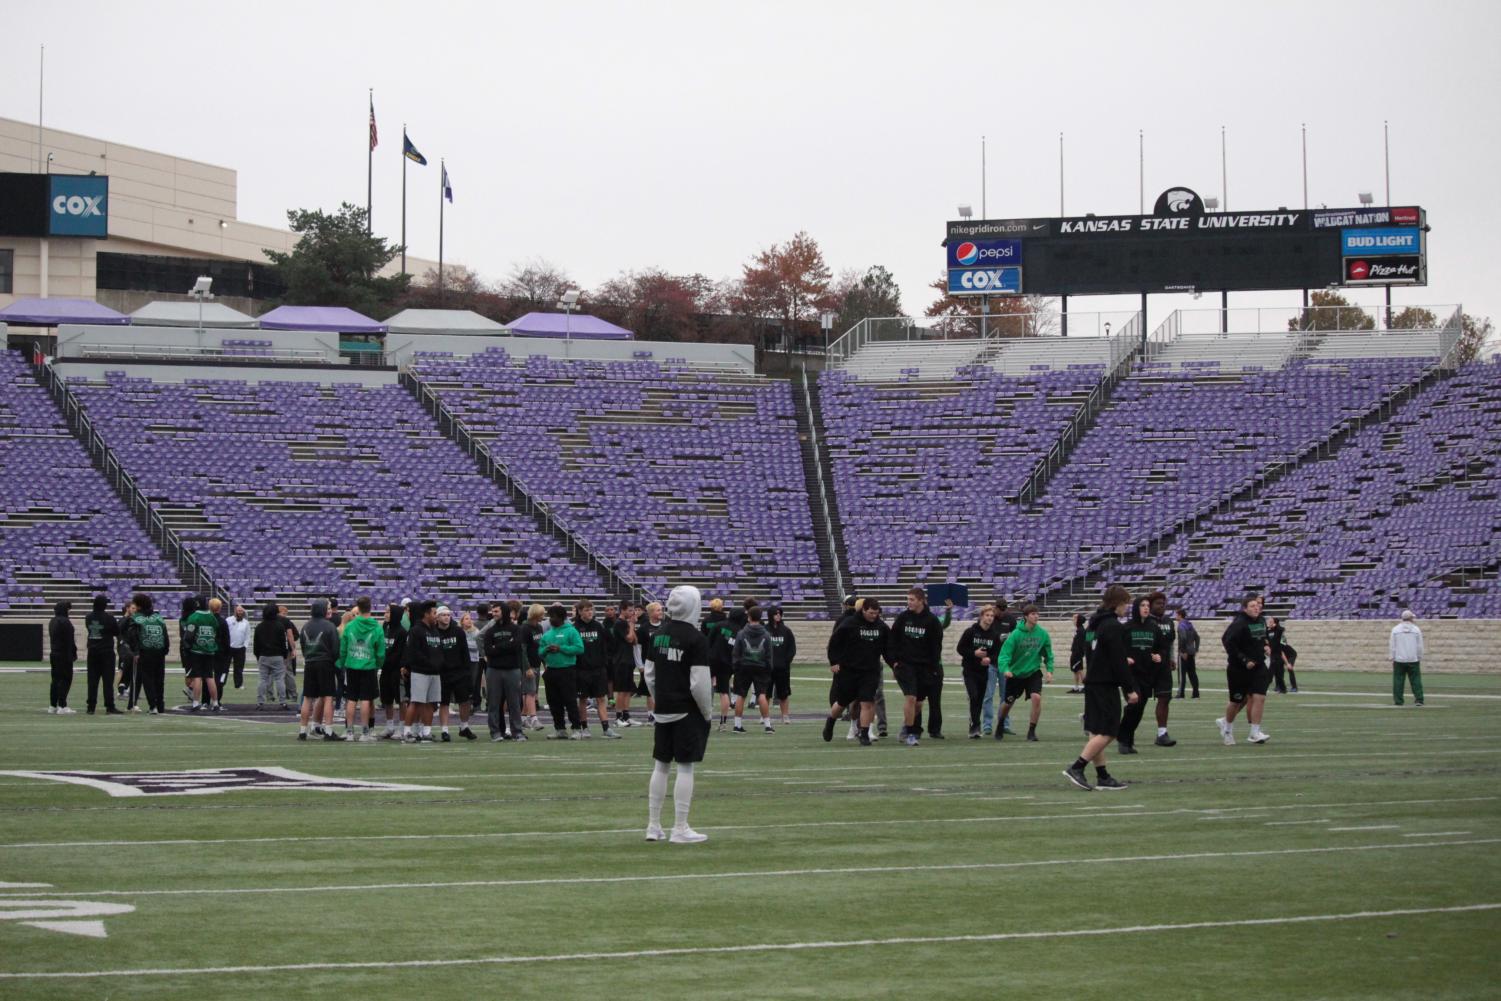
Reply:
x=1178, y=201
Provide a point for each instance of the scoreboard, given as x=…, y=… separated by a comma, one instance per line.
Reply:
x=1183, y=248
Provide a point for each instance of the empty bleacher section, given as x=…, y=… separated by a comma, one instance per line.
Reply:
x=922, y=470
x=294, y=489
x=1405, y=512
x=64, y=534
x=670, y=473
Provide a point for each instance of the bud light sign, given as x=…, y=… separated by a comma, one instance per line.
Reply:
x=1374, y=242
x=78, y=206
x=984, y=253
x=985, y=281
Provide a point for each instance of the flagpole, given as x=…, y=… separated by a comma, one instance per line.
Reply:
x=369, y=167
x=442, y=176
x=403, y=197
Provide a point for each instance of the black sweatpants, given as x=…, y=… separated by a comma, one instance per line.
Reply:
x=101, y=673
x=151, y=678
x=62, y=680
x=562, y=696
x=237, y=662
x=1188, y=673
x=974, y=687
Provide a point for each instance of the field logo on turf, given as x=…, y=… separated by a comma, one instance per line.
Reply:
x=207, y=781
x=71, y=917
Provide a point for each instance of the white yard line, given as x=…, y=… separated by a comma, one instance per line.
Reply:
x=1370, y=827
x=500, y=835
x=1437, y=834
x=758, y=873
x=764, y=947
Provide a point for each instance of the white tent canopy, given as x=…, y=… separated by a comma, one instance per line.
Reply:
x=185, y=314
x=442, y=321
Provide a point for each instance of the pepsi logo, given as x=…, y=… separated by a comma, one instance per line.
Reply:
x=1358, y=271
x=967, y=253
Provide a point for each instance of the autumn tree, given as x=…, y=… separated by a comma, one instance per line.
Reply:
x=535, y=284
x=1328, y=310
x=873, y=294
x=1414, y=318
x=788, y=282
x=656, y=305
x=1009, y=316
x=1475, y=331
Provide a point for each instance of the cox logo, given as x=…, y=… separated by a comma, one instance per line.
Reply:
x=79, y=205
x=967, y=253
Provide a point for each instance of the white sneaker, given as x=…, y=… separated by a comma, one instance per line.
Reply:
x=52, y=710
x=1259, y=738
x=854, y=733
x=687, y=836
x=585, y=734
x=576, y=735
x=655, y=833
x=1227, y=731
x=786, y=720
x=65, y=711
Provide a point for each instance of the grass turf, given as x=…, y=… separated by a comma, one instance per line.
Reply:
x=535, y=850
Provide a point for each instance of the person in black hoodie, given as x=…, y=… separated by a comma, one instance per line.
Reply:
x=393, y=695
x=319, y=640
x=623, y=653
x=916, y=647
x=128, y=687
x=783, y=652
x=458, y=674
x=149, y=637
x=592, y=669
x=101, y=630
x=269, y=645
x=1151, y=667
x=505, y=666
x=1106, y=677
x=977, y=649
x=1188, y=654
x=64, y=653
x=422, y=669
x=858, y=645
x=1276, y=656
x=1245, y=645
x=719, y=631
x=1076, y=654
x=995, y=686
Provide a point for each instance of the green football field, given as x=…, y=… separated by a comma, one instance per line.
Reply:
x=1357, y=855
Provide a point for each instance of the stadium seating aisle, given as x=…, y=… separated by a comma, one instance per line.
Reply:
x=289, y=489
x=670, y=474
x=64, y=534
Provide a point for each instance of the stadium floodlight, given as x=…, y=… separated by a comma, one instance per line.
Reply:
x=1365, y=198
x=1211, y=204
x=201, y=287
x=965, y=212
x=568, y=304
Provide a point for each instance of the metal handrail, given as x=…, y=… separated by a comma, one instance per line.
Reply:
x=828, y=517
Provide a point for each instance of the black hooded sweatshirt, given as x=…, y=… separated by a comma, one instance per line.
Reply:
x=858, y=645
x=596, y=636
x=976, y=641
x=60, y=634
x=424, y=652
x=396, y=637
x=783, y=643
x=505, y=646
x=319, y=638
x=1144, y=639
x=101, y=629
x=455, y=648
x=1245, y=641
x=1079, y=650
x=270, y=636
x=917, y=639
x=1109, y=648
x=721, y=635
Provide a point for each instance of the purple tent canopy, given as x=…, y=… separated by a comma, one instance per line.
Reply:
x=333, y=319
x=51, y=312
x=581, y=325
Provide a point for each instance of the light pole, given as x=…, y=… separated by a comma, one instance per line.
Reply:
x=200, y=291
x=568, y=304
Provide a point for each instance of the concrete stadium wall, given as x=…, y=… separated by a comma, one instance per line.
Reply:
x=1462, y=646
x=401, y=347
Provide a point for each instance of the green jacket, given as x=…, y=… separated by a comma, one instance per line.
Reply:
x=1024, y=651
x=570, y=645
x=200, y=633
x=362, y=646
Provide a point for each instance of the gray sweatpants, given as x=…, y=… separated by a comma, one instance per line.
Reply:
x=273, y=672
x=504, y=687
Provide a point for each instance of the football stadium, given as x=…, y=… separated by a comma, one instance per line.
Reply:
x=1086, y=633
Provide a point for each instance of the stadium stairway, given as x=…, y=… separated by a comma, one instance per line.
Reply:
x=828, y=528
x=1081, y=593
x=157, y=524
x=622, y=587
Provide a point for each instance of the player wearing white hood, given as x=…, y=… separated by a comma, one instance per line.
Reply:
x=676, y=667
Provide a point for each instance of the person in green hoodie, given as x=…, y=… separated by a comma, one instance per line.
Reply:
x=560, y=646
x=201, y=649
x=362, y=651
x=1026, y=654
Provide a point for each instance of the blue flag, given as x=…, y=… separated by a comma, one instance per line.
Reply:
x=409, y=151
x=447, y=188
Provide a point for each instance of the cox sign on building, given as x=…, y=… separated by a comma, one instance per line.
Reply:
x=985, y=267
x=78, y=206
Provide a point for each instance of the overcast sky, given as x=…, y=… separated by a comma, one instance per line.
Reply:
x=613, y=136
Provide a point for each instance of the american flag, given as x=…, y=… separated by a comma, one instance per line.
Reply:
x=374, y=140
